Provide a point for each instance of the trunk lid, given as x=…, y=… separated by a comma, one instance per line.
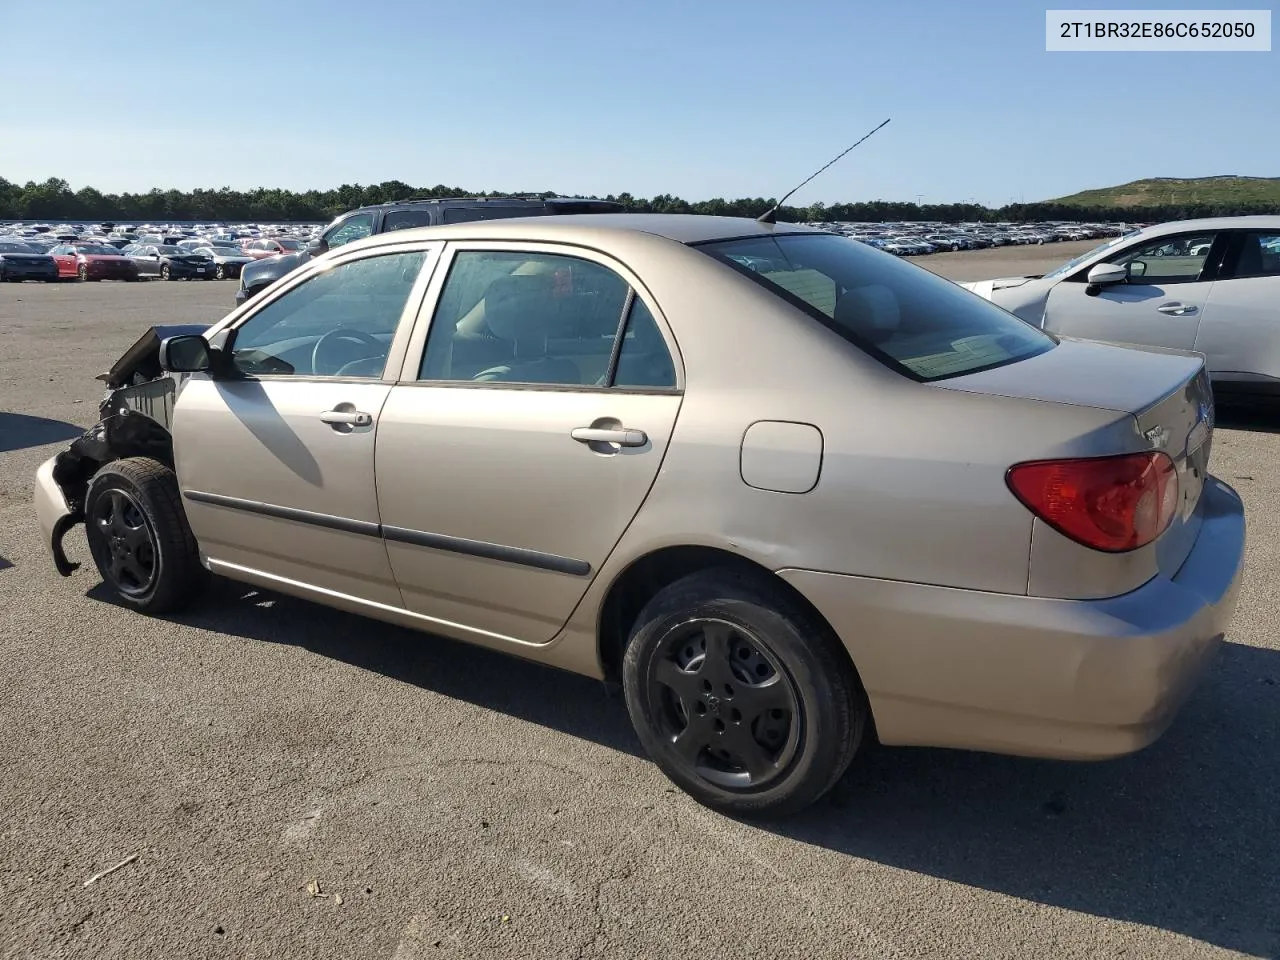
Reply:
x=1167, y=392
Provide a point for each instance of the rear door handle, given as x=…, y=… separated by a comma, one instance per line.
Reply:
x=619, y=435
x=354, y=418
x=1177, y=309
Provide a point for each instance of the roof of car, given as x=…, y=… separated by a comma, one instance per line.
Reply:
x=681, y=227
x=1252, y=222
x=529, y=201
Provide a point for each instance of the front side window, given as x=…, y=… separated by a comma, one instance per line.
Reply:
x=356, y=227
x=1259, y=255
x=1074, y=262
x=1179, y=259
x=339, y=322
x=915, y=322
x=530, y=318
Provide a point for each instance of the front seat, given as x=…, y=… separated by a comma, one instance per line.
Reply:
x=522, y=310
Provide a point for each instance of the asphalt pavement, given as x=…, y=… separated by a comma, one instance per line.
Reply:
x=295, y=782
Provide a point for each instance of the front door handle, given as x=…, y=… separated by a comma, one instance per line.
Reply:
x=352, y=418
x=1177, y=309
x=619, y=435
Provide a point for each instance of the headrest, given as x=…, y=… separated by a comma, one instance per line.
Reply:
x=525, y=307
x=871, y=312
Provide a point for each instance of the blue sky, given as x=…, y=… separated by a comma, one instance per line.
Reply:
x=698, y=98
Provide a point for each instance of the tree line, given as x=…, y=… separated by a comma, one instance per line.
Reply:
x=55, y=200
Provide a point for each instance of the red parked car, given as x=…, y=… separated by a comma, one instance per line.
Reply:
x=92, y=261
x=271, y=247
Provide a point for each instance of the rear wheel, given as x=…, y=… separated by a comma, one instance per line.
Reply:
x=83, y=272
x=743, y=698
x=139, y=537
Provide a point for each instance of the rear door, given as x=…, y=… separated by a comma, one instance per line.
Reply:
x=1161, y=305
x=523, y=437
x=1240, y=334
x=65, y=257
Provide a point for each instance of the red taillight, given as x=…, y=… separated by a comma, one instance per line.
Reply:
x=1108, y=503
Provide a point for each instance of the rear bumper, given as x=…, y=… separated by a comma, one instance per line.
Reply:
x=1068, y=679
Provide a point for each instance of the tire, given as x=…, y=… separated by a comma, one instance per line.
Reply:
x=83, y=273
x=164, y=272
x=139, y=537
x=803, y=711
x=220, y=273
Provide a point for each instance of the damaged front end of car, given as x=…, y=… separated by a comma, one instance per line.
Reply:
x=135, y=417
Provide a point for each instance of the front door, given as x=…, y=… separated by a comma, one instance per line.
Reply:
x=513, y=457
x=276, y=464
x=1160, y=305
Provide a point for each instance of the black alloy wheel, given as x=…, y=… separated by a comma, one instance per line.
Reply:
x=130, y=543
x=221, y=272
x=139, y=537
x=726, y=704
x=164, y=272
x=741, y=693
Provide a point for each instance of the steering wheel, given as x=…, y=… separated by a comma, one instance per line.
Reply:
x=342, y=333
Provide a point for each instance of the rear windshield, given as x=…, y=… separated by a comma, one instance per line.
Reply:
x=920, y=324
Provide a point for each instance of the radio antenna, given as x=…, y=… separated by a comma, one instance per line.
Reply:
x=771, y=215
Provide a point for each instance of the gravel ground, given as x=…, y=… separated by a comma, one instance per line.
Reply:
x=462, y=804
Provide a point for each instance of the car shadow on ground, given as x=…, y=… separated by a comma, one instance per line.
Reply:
x=1184, y=836
x=529, y=691
x=19, y=431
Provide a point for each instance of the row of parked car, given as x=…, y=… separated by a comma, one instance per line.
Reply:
x=97, y=255
x=914, y=239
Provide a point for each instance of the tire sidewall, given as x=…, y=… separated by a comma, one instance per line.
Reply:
x=821, y=726
x=101, y=484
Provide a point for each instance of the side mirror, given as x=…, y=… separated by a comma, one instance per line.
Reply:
x=317, y=247
x=1105, y=274
x=188, y=354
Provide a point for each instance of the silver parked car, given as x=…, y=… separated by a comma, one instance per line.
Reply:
x=786, y=488
x=1212, y=286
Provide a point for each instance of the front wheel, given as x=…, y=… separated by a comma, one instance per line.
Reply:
x=164, y=272
x=139, y=537
x=83, y=273
x=741, y=695
x=221, y=272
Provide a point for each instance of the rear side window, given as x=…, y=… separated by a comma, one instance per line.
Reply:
x=471, y=214
x=1259, y=255
x=405, y=219
x=528, y=318
x=919, y=324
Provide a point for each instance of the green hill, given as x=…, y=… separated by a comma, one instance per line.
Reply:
x=1156, y=191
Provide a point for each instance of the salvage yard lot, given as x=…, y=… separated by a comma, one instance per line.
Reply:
x=463, y=804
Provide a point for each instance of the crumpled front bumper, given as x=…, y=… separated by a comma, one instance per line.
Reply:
x=55, y=514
